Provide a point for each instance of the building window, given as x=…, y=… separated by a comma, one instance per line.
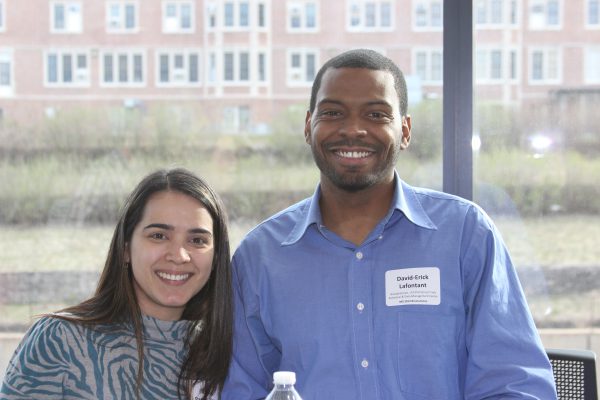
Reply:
x=2, y=18
x=65, y=17
x=261, y=19
x=370, y=15
x=178, y=67
x=592, y=17
x=178, y=17
x=427, y=65
x=545, y=14
x=123, y=68
x=592, y=65
x=236, y=14
x=67, y=68
x=494, y=13
x=6, y=73
x=495, y=65
x=301, y=67
x=302, y=16
x=121, y=16
x=428, y=15
x=544, y=66
x=236, y=120
x=236, y=66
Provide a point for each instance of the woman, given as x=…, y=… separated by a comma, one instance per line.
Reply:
x=160, y=321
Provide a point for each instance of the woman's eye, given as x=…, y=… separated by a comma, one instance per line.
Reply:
x=199, y=241
x=157, y=235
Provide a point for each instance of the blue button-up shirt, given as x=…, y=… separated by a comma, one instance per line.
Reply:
x=427, y=307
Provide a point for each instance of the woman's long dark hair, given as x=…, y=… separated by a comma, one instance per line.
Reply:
x=210, y=311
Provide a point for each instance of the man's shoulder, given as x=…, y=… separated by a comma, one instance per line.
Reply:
x=284, y=219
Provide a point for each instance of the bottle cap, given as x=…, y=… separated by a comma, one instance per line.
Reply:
x=284, y=378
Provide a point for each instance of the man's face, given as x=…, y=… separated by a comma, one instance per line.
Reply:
x=356, y=131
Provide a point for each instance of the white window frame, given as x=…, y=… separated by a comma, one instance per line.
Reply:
x=116, y=55
x=292, y=72
x=485, y=65
x=2, y=15
x=118, y=25
x=544, y=25
x=179, y=76
x=237, y=55
x=267, y=69
x=545, y=50
x=586, y=16
x=6, y=57
x=429, y=55
x=236, y=23
x=231, y=122
x=73, y=22
x=591, y=70
x=173, y=25
x=301, y=7
x=428, y=5
x=362, y=10
x=507, y=8
x=81, y=76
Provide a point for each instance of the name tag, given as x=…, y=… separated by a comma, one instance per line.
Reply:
x=417, y=286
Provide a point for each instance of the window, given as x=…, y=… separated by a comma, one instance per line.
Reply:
x=2, y=13
x=494, y=13
x=67, y=68
x=592, y=16
x=178, y=17
x=370, y=15
x=6, y=73
x=236, y=14
x=123, y=68
x=236, y=120
x=544, y=14
x=592, y=65
x=428, y=14
x=65, y=17
x=121, y=16
x=427, y=65
x=178, y=67
x=495, y=65
x=236, y=66
x=302, y=16
x=262, y=67
x=544, y=66
x=301, y=67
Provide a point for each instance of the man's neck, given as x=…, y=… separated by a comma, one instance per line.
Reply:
x=353, y=215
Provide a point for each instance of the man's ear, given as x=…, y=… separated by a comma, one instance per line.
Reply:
x=307, y=131
x=406, y=128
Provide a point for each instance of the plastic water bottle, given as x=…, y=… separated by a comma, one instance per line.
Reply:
x=284, y=386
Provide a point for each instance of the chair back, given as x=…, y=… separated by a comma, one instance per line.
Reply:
x=574, y=373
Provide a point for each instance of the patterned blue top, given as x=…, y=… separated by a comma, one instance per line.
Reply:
x=58, y=359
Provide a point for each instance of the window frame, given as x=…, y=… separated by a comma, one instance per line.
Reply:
x=429, y=27
x=116, y=53
x=586, y=15
x=377, y=27
x=587, y=67
x=122, y=28
x=303, y=52
x=186, y=53
x=545, y=26
x=66, y=30
x=2, y=15
x=60, y=53
x=7, y=57
x=545, y=49
x=303, y=28
x=178, y=29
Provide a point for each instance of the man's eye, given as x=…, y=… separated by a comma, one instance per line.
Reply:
x=330, y=113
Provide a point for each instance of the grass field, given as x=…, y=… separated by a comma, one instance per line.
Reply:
x=545, y=243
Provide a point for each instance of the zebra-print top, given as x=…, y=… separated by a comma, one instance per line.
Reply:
x=58, y=359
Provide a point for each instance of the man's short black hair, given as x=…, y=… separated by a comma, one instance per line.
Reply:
x=363, y=58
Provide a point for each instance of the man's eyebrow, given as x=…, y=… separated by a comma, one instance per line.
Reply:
x=168, y=227
x=328, y=100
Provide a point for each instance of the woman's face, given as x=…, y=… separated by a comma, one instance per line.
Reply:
x=171, y=253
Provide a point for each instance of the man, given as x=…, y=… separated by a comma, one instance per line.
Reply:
x=372, y=289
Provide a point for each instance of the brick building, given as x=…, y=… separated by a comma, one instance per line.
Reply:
x=244, y=61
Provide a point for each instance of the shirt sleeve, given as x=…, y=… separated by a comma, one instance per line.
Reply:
x=37, y=367
x=254, y=356
x=506, y=356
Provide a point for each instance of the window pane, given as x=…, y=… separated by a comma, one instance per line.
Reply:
x=108, y=68
x=193, y=67
x=67, y=68
x=164, y=68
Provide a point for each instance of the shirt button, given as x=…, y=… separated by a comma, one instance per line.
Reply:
x=380, y=237
x=360, y=306
x=364, y=363
x=359, y=255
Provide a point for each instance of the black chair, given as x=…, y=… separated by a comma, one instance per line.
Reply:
x=574, y=373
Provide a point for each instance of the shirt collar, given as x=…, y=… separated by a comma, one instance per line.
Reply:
x=405, y=200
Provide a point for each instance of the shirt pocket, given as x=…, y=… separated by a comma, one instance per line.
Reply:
x=427, y=356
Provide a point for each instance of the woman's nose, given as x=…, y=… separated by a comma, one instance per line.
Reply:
x=178, y=254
